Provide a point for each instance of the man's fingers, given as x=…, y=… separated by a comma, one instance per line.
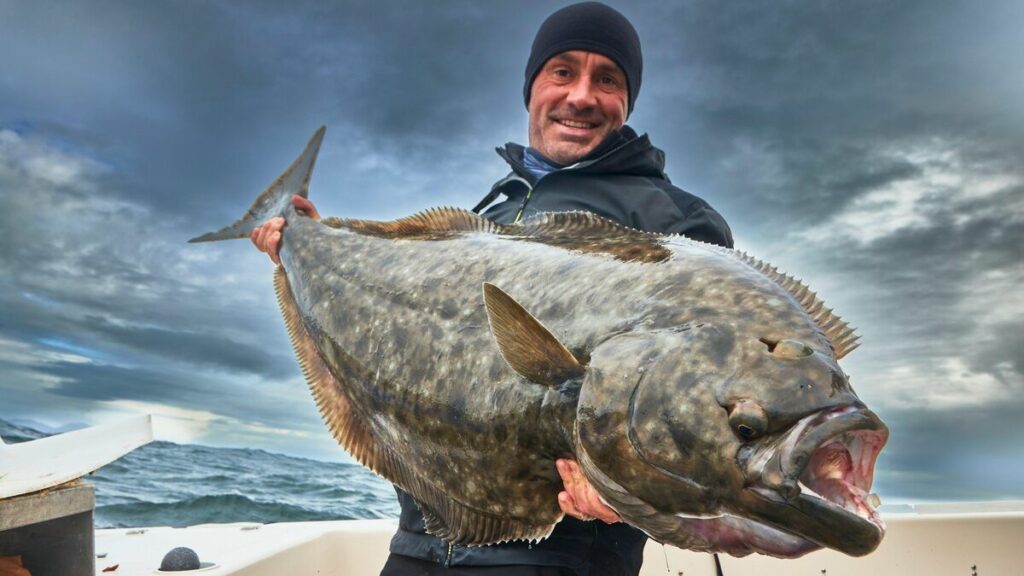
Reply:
x=567, y=499
x=267, y=238
x=602, y=512
x=580, y=499
x=572, y=476
x=273, y=247
x=259, y=240
x=268, y=228
x=562, y=465
x=594, y=506
x=568, y=506
x=306, y=206
x=265, y=231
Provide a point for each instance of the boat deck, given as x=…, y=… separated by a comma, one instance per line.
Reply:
x=985, y=539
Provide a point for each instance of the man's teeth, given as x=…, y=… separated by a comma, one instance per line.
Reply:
x=573, y=124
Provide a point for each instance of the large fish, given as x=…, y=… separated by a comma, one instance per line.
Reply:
x=697, y=387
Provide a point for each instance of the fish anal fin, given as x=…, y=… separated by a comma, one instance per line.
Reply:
x=525, y=344
x=445, y=517
x=459, y=524
x=343, y=421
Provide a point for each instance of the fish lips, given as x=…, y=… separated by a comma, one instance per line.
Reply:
x=813, y=481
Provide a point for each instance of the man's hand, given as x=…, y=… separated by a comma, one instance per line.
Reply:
x=580, y=500
x=267, y=238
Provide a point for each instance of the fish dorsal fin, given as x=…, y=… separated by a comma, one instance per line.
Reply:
x=528, y=347
x=839, y=334
x=431, y=223
x=576, y=223
x=590, y=233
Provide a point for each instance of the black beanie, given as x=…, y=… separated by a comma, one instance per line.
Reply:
x=593, y=27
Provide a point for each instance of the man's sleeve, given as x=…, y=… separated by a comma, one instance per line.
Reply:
x=701, y=222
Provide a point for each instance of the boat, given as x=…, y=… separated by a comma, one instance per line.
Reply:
x=956, y=539
x=40, y=480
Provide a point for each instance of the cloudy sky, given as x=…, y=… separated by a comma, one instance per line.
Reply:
x=875, y=149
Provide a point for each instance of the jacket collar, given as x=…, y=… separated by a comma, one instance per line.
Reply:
x=621, y=152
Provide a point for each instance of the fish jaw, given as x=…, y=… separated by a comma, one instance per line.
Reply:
x=816, y=478
x=832, y=507
x=712, y=532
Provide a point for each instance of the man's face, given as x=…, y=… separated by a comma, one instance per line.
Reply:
x=576, y=100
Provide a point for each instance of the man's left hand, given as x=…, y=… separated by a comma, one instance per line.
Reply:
x=579, y=499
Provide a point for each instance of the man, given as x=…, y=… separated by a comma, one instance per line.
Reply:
x=582, y=80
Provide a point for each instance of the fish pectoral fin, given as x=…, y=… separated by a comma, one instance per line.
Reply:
x=526, y=345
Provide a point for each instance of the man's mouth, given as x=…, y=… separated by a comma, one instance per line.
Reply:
x=578, y=124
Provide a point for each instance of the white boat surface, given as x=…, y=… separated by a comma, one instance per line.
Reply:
x=47, y=462
x=955, y=539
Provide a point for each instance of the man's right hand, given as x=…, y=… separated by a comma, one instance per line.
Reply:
x=267, y=238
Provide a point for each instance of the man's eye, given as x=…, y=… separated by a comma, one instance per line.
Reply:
x=609, y=81
x=560, y=72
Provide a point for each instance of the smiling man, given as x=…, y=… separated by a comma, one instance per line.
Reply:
x=582, y=80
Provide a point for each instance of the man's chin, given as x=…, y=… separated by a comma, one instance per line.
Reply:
x=570, y=152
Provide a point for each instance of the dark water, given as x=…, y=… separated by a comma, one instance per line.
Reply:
x=167, y=484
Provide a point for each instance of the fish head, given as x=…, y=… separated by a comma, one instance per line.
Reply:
x=711, y=438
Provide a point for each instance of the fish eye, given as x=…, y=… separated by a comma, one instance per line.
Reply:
x=748, y=420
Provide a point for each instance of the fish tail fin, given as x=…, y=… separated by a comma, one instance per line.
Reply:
x=276, y=199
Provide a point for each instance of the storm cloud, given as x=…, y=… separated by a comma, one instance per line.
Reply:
x=874, y=149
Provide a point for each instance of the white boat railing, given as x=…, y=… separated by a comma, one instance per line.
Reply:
x=933, y=541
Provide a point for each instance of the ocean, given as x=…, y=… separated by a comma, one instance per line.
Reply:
x=168, y=484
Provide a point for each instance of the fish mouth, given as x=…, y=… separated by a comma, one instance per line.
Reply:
x=814, y=481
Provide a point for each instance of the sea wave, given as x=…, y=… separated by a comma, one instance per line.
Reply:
x=168, y=484
x=213, y=508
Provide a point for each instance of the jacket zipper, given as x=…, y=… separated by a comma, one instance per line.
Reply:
x=529, y=193
x=519, y=169
x=519, y=213
x=448, y=558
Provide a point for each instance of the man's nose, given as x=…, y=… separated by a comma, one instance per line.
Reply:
x=581, y=93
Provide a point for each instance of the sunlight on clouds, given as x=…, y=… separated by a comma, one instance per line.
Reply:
x=169, y=422
x=13, y=352
x=946, y=179
x=45, y=163
x=949, y=384
x=994, y=297
x=262, y=429
x=184, y=425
